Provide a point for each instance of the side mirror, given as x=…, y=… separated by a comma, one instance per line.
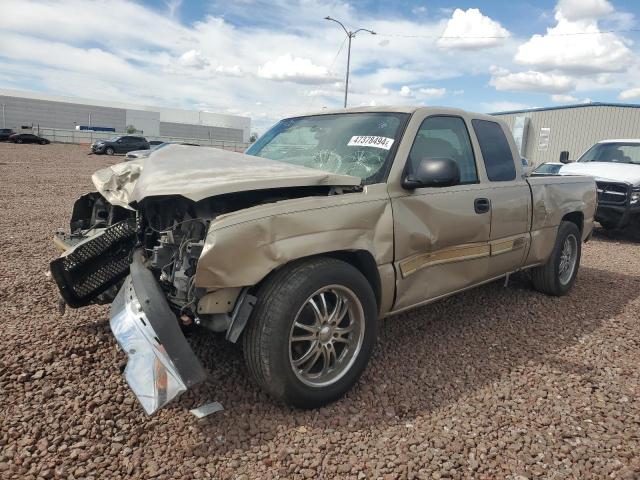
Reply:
x=433, y=172
x=564, y=157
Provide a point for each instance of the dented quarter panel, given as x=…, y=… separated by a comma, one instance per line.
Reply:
x=554, y=197
x=241, y=248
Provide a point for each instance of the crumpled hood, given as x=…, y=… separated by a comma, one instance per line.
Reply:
x=611, y=171
x=201, y=172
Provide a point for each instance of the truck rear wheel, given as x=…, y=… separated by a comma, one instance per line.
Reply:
x=558, y=275
x=311, y=332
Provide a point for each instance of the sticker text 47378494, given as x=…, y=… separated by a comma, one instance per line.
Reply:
x=369, y=141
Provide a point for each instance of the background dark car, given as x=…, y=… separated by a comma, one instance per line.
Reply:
x=27, y=138
x=123, y=144
x=5, y=133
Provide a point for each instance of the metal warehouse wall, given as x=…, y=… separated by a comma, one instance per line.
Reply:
x=147, y=122
x=172, y=129
x=26, y=111
x=575, y=129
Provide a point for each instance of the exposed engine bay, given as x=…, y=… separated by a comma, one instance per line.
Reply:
x=171, y=230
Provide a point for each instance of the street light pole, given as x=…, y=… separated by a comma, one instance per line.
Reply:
x=350, y=34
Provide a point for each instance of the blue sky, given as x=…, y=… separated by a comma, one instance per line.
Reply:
x=269, y=59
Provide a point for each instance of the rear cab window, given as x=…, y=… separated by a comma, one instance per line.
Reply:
x=496, y=152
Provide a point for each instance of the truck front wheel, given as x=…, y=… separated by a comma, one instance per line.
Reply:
x=311, y=332
x=558, y=275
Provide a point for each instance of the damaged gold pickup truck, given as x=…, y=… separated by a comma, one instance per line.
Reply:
x=297, y=248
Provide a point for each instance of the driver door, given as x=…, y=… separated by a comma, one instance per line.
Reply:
x=441, y=233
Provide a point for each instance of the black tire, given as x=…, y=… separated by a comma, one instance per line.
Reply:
x=267, y=350
x=19, y=140
x=42, y=142
x=109, y=151
x=547, y=278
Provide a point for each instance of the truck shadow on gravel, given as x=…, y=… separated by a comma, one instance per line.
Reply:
x=629, y=235
x=424, y=360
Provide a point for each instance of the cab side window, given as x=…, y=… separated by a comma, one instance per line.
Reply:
x=496, y=151
x=445, y=137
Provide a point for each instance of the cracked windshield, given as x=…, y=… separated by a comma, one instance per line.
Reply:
x=357, y=144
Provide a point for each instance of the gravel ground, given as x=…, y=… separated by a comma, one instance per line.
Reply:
x=494, y=383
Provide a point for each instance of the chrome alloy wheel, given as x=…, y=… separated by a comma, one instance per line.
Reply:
x=326, y=336
x=568, y=257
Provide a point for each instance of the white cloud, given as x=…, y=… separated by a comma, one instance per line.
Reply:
x=229, y=61
x=193, y=58
x=318, y=92
x=563, y=98
x=230, y=70
x=531, y=81
x=405, y=91
x=129, y=60
x=630, y=93
x=504, y=106
x=420, y=10
x=173, y=6
x=574, y=10
x=111, y=22
x=409, y=94
x=472, y=23
x=576, y=44
x=432, y=92
x=294, y=69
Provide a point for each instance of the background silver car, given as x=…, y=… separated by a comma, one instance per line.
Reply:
x=145, y=153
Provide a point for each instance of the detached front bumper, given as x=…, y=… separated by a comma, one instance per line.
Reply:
x=161, y=364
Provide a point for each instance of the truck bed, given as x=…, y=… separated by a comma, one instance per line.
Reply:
x=553, y=197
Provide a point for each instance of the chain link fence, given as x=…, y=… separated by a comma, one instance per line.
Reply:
x=84, y=137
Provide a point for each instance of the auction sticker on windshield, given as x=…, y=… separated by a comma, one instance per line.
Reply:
x=367, y=141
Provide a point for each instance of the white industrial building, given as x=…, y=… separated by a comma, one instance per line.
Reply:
x=40, y=110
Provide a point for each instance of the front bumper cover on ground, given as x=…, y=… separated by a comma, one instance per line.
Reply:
x=161, y=364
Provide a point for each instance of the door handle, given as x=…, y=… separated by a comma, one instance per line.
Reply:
x=482, y=205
